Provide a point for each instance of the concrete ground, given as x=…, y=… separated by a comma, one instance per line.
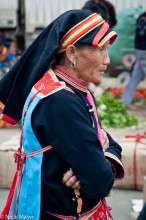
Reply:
x=120, y=199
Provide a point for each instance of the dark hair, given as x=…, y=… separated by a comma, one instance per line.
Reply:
x=98, y=8
x=110, y=9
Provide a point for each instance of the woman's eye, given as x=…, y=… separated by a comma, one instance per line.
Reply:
x=101, y=49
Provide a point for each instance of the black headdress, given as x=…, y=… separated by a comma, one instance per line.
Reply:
x=17, y=83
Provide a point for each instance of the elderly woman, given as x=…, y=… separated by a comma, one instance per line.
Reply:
x=70, y=163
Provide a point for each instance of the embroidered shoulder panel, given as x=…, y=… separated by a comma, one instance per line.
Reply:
x=48, y=85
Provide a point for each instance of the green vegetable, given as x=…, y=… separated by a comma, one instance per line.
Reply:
x=112, y=113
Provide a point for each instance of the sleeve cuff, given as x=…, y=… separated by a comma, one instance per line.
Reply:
x=116, y=165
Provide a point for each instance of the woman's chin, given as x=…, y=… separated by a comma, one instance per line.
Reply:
x=97, y=80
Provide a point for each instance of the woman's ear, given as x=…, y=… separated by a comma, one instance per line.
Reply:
x=71, y=53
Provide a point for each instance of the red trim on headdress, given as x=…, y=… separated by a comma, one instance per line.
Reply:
x=84, y=31
x=100, y=34
x=110, y=36
x=78, y=25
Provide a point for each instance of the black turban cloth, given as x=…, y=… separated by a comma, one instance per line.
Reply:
x=17, y=83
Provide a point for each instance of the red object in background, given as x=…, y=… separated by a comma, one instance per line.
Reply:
x=140, y=93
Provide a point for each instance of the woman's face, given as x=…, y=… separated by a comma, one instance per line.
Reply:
x=91, y=63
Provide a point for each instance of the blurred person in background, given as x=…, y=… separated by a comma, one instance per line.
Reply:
x=3, y=50
x=139, y=69
x=8, y=55
x=47, y=91
x=97, y=7
x=3, y=54
x=111, y=11
x=11, y=47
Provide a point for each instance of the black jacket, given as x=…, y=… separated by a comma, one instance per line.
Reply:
x=63, y=121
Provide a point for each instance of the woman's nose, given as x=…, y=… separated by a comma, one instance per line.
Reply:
x=106, y=59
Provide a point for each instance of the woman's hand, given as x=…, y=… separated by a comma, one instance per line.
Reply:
x=70, y=180
x=105, y=139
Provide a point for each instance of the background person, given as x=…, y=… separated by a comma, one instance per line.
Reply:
x=8, y=55
x=139, y=69
x=48, y=89
x=111, y=11
x=97, y=7
x=11, y=46
x=3, y=51
x=11, y=54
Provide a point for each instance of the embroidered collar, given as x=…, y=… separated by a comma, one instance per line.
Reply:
x=69, y=78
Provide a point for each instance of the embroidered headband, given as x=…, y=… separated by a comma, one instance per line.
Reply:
x=93, y=31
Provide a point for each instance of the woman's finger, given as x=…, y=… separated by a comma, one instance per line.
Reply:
x=67, y=175
x=76, y=185
x=71, y=181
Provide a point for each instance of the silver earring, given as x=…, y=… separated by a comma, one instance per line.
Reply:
x=72, y=65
